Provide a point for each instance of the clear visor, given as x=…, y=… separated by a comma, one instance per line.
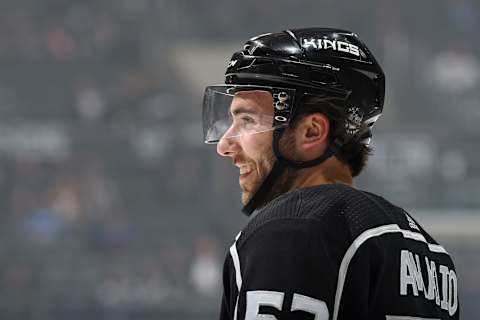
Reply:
x=231, y=111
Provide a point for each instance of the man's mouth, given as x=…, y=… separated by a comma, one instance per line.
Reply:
x=244, y=173
x=245, y=170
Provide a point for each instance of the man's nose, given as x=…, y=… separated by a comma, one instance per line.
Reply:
x=228, y=146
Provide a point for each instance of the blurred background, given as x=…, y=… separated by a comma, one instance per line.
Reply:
x=111, y=207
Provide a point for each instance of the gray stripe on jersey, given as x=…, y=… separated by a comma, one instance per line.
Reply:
x=371, y=233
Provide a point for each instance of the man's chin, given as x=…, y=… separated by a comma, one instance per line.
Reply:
x=248, y=192
x=283, y=185
x=246, y=196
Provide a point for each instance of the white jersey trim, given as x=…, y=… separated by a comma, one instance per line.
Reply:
x=419, y=237
x=238, y=275
x=371, y=233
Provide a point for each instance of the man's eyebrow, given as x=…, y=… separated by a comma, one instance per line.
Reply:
x=239, y=110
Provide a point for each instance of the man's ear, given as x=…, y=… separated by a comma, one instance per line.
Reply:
x=312, y=132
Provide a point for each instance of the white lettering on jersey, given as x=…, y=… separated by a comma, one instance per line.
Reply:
x=310, y=305
x=410, y=273
x=377, y=232
x=445, y=296
x=406, y=274
x=328, y=44
x=445, y=272
x=452, y=293
x=258, y=298
x=433, y=281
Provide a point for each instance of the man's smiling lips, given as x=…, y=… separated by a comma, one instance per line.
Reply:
x=245, y=172
x=244, y=177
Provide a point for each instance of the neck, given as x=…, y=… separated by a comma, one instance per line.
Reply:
x=330, y=171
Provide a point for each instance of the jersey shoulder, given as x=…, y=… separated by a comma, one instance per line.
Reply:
x=334, y=206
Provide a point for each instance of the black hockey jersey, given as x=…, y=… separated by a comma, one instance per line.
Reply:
x=334, y=252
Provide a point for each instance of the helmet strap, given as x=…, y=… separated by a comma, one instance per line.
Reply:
x=260, y=197
x=332, y=149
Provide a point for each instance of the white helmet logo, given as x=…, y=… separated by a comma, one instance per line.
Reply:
x=354, y=120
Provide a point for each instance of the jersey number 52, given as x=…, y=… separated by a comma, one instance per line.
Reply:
x=259, y=298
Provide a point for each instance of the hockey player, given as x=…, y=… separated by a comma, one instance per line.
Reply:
x=295, y=116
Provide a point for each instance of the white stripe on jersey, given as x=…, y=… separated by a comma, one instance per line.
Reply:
x=238, y=275
x=419, y=237
x=371, y=233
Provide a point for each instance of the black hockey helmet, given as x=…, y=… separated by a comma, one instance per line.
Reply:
x=292, y=64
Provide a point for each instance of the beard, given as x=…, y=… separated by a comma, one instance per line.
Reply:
x=281, y=185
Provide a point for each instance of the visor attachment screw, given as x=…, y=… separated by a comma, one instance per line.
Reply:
x=280, y=105
x=281, y=98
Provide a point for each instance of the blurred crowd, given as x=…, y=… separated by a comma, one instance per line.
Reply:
x=72, y=238
x=111, y=206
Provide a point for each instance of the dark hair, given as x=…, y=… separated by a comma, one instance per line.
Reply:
x=353, y=153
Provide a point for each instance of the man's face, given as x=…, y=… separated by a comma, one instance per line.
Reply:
x=248, y=141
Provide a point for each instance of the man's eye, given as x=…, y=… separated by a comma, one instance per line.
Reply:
x=247, y=120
